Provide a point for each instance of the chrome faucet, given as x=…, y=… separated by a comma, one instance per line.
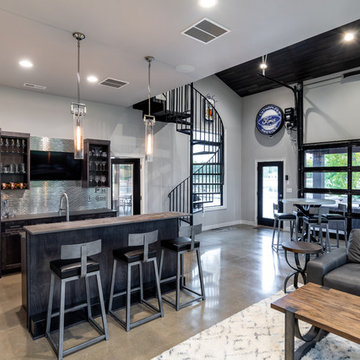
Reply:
x=65, y=196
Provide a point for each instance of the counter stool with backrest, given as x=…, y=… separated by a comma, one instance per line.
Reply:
x=278, y=219
x=75, y=264
x=136, y=254
x=338, y=215
x=185, y=243
x=317, y=218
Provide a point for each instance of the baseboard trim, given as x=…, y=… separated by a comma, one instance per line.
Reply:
x=247, y=222
x=218, y=226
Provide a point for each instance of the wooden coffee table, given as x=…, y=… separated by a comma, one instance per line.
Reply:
x=299, y=247
x=327, y=310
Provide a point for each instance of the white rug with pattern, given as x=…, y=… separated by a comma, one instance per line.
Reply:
x=255, y=333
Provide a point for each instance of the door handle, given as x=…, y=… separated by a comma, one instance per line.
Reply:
x=280, y=196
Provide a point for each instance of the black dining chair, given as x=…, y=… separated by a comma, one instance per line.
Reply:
x=279, y=219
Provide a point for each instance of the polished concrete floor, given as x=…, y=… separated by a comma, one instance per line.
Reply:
x=239, y=269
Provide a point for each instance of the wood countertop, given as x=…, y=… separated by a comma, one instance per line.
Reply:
x=94, y=223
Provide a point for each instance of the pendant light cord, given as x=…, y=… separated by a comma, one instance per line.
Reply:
x=149, y=88
x=78, y=72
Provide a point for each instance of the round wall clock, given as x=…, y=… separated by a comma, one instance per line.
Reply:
x=269, y=120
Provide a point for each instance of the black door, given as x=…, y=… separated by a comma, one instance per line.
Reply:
x=125, y=186
x=270, y=190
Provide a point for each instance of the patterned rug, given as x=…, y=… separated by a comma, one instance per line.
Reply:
x=255, y=333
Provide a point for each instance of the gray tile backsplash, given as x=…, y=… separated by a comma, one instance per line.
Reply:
x=44, y=196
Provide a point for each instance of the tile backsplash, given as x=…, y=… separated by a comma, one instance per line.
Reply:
x=44, y=196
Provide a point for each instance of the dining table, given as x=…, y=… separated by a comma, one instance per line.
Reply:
x=304, y=205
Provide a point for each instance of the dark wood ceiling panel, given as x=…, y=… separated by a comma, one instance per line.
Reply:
x=318, y=56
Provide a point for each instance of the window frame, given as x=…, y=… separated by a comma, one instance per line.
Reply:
x=349, y=169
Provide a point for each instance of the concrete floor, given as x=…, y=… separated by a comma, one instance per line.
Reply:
x=239, y=267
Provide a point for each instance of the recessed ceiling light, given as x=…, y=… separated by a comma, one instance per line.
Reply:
x=26, y=63
x=92, y=79
x=349, y=36
x=207, y=3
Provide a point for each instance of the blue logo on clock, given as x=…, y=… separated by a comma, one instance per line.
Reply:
x=269, y=119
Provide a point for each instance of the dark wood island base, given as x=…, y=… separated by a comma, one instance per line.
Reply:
x=42, y=244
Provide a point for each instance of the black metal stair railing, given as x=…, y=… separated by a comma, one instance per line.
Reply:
x=179, y=197
x=196, y=116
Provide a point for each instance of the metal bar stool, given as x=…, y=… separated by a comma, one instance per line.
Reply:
x=75, y=264
x=338, y=215
x=136, y=254
x=184, y=244
x=278, y=219
x=317, y=218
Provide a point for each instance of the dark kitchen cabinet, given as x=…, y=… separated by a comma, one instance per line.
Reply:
x=15, y=160
x=96, y=164
x=12, y=230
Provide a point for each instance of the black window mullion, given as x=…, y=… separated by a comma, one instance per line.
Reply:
x=327, y=169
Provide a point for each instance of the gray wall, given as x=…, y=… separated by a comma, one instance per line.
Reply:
x=256, y=147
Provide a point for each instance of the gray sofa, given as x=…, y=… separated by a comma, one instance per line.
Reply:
x=339, y=269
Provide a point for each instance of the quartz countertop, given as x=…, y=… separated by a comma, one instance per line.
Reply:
x=94, y=223
x=56, y=214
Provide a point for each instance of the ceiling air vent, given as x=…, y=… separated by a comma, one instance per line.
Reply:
x=114, y=83
x=34, y=86
x=205, y=31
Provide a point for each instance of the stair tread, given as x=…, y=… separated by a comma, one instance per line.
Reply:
x=206, y=142
x=208, y=164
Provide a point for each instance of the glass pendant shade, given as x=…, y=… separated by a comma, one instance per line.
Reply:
x=78, y=111
x=149, y=122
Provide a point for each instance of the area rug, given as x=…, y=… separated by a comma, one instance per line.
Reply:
x=255, y=333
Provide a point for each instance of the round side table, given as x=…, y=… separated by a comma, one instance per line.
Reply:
x=299, y=247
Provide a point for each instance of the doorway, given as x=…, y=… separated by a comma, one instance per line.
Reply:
x=270, y=190
x=125, y=186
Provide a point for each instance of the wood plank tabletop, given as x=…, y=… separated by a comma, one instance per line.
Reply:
x=329, y=309
x=302, y=247
x=102, y=222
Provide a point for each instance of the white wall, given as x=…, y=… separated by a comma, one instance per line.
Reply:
x=331, y=110
x=228, y=105
x=256, y=147
x=47, y=115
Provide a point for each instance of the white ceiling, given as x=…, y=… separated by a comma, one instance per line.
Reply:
x=119, y=33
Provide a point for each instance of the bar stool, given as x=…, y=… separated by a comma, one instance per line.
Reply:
x=186, y=243
x=338, y=215
x=137, y=253
x=75, y=264
x=280, y=218
x=317, y=218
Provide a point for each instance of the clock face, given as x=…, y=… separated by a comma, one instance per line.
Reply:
x=269, y=120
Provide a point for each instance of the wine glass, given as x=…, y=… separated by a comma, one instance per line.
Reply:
x=6, y=145
x=97, y=180
x=18, y=146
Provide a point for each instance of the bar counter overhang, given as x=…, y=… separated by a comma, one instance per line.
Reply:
x=42, y=244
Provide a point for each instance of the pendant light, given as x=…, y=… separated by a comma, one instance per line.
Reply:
x=78, y=110
x=149, y=120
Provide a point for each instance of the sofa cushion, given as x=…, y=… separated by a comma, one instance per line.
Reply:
x=344, y=278
x=354, y=247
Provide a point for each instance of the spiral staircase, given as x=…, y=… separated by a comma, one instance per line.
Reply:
x=196, y=117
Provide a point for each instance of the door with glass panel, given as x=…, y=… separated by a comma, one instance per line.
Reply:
x=125, y=186
x=270, y=190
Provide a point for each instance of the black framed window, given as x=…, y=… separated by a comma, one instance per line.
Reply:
x=332, y=171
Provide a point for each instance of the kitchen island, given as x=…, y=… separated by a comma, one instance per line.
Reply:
x=41, y=244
